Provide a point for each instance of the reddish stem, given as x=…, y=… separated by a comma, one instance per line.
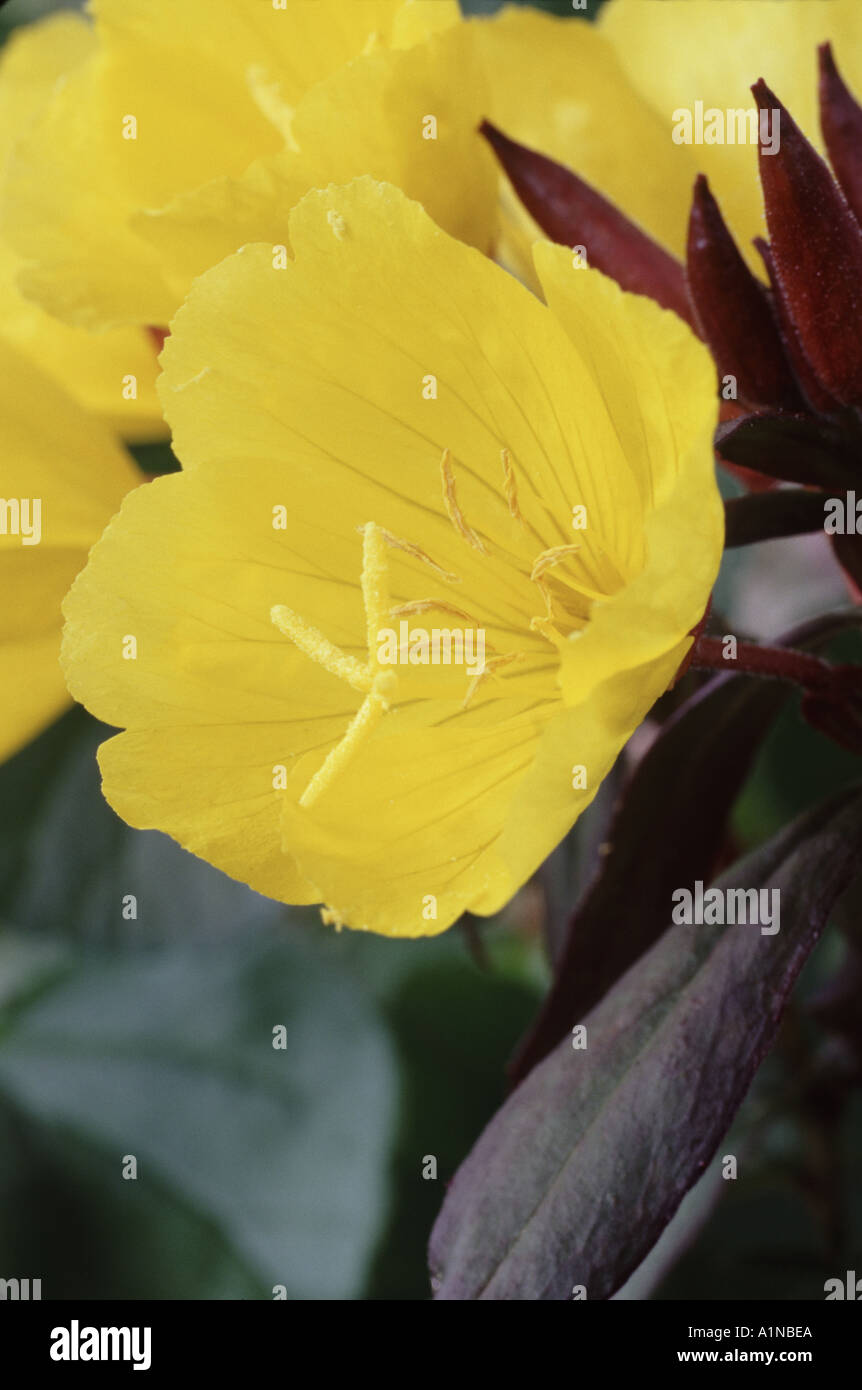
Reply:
x=779, y=663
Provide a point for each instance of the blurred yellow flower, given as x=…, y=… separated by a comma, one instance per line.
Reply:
x=111, y=373
x=600, y=98
x=190, y=127
x=389, y=429
x=63, y=476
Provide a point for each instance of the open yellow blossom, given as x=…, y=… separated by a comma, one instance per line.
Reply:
x=391, y=430
x=62, y=478
x=601, y=98
x=191, y=127
x=111, y=373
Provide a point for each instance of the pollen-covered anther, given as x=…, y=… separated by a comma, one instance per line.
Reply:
x=510, y=486
x=429, y=605
x=450, y=501
x=490, y=668
x=546, y=626
x=549, y=558
x=397, y=543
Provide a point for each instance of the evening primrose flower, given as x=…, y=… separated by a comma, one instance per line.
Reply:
x=191, y=127
x=63, y=476
x=112, y=373
x=390, y=429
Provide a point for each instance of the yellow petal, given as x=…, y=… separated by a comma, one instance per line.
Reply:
x=63, y=476
x=660, y=388
x=96, y=369
x=317, y=92
x=34, y=691
x=84, y=264
x=33, y=59
x=408, y=117
x=112, y=374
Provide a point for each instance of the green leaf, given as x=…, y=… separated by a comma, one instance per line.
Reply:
x=167, y=1054
x=577, y=1175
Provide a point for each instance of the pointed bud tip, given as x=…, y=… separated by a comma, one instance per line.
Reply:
x=495, y=137
x=827, y=60
x=764, y=96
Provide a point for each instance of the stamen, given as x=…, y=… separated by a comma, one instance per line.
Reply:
x=363, y=723
x=542, y=586
x=410, y=549
x=546, y=627
x=490, y=668
x=551, y=557
x=312, y=643
x=425, y=605
x=331, y=917
x=450, y=502
x=510, y=486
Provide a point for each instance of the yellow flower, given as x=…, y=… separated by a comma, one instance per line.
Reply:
x=391, y=429
x=200, y=123
x=112, y=373
x=601, y=98
x=63, y=476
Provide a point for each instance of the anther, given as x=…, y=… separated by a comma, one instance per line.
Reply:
x=490, y=668
x=418, y=554
x=510, y=486
x=549, y=558
x=450, y=502
x=427, y=605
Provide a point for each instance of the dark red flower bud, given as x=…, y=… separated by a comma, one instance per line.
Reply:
x=572, y=213
x=816, y=245
x=817, y=396
x=733, y=310
x=841, y=123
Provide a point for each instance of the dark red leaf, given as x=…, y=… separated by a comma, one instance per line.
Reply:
x=796, y=448
x=575, y=1178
